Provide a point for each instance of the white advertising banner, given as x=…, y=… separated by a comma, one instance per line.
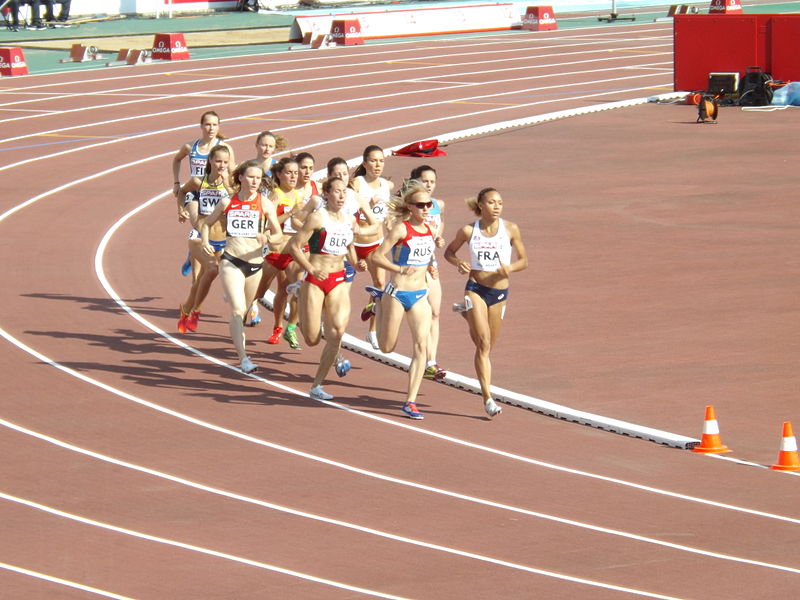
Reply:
x=410, y=22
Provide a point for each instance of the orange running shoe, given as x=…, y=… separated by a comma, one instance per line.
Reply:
x=183, y=321
x=275, y=338
x=192, y=320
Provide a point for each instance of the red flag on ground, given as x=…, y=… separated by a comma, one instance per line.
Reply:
x=421, y=149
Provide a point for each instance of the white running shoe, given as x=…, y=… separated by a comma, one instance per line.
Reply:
x=463, y=306
x=317, y=393
x=293, y=288
x=372, y=338
x=247, y=365
x=491, y=408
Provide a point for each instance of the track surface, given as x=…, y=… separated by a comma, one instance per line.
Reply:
x=663, y=278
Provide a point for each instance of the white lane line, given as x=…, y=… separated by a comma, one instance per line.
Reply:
x=64, y=582
x=372, y=113
x=327, y=89
x=411, y=484
x=99, y=270
x=199, y=549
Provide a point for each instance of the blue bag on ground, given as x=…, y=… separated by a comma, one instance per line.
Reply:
x=788, y=94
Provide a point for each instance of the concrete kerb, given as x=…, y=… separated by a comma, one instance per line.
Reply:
x=470, y=384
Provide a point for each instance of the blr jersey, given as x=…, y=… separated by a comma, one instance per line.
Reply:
x=209, y=195
x=244, y=218
x=487, y=253
x=415, y=249
x=332, y=238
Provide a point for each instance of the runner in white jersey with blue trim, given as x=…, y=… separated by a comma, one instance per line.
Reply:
x=492, y=241
x=197, y=153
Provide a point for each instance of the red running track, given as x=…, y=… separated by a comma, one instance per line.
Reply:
x=142, y=466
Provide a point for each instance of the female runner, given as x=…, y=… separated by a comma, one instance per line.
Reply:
x=205, y=193
x=435, y=220
x=328, y=232
x=267, y=143
x=285, y=198
x=376, y=190
x=491, y=240
x=411, y=244
x=197, y=152
x=244, y=216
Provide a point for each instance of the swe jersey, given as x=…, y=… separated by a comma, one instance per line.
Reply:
x=333, y=237
x=244, y=218
x=209, y=195
x=415, y=249
x=487, y=253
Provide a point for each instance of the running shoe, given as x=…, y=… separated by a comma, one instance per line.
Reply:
x=247, y=365
x=463, y=306
x=410, y=409
x=182, y=321
x=342, y=366
x=192, y=320
x=491, y=408
x=290, y=335
x=263, y=302
x=372, y=338
x=368, y=312
x=434, y=372
x=275, y=338
x=253, y=318
x=186, y=267
x=317, y=393
x=293, y=288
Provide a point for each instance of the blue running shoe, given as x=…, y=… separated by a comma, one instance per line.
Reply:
x=186, y=267
x=342, y=366
x=410, y=409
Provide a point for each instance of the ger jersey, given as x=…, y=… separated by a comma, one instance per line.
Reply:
x=333, y=237
x=209, y=195
x=244, y=218
x=197, y=160
x=487, y=253
x=415, y=249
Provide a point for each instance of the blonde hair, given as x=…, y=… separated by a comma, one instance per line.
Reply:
x=398, y=204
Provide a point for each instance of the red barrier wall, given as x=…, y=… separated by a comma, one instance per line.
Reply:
x=730, y=43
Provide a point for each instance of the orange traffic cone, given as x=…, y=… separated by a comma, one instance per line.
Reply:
x=710, y=443
x=787, y=458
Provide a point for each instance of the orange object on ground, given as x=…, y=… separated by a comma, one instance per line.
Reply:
x=787, y=458
x=711, y=443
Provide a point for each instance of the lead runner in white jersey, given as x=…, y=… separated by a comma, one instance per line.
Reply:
x=492, y=241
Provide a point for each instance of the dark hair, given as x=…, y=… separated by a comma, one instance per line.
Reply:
x=417, y=172
x=472, y=203
x=215, y=150
x=327, y=185
x=335, y=162
x=211, y=113
x=278, y=167
x=301, y=156
x=361, y=170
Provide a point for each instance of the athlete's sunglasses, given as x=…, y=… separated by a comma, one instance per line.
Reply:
x=422, y=204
